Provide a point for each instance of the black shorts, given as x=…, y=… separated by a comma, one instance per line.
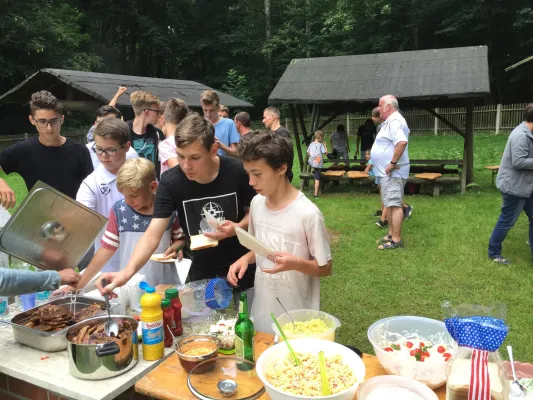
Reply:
x=316, y=173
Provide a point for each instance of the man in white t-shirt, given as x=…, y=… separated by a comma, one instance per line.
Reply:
x=284, y=219
x=99, y=190
x=391, y=165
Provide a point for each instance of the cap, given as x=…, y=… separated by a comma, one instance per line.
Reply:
x=146, y=287
x=171, y=293
x=165, y=303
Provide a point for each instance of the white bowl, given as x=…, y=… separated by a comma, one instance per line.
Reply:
x=394, y=387
x=280, y=350
x=388, y=330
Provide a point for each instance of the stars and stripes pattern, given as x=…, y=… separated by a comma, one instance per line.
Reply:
x=123, y=219
x=479, y=376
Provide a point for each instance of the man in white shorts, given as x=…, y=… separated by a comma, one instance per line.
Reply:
x=391, y=165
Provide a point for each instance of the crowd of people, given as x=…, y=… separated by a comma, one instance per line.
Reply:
x=162, y=176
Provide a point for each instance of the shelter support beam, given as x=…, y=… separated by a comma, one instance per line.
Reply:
x=445, y=121
x=297, y=138
x=469, y=141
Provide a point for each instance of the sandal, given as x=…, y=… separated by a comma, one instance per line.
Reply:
x=500, y=260
x=391, y=245
x=385, y=239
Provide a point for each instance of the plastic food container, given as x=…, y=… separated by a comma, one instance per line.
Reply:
x=307, y=315
x=394, y=387
x=389, y=330
x=329, y=348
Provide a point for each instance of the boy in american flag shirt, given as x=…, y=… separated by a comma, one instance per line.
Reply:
x=129, y=219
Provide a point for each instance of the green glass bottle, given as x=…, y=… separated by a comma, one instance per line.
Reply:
x=244, y=331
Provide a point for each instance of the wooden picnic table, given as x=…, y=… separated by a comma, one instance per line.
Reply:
x=169, y=380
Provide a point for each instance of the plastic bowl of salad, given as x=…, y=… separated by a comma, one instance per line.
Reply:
x=413, y=347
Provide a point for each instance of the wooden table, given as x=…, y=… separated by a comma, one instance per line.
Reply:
x=169, y=380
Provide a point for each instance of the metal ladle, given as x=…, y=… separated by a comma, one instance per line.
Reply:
x=517, y=389
x=111, y=327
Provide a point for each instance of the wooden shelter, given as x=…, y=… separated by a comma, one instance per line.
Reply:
x=428, y=79
x=87, y=91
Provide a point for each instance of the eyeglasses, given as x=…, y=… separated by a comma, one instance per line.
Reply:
x=151, y=109
x=109, y=152
x=43, y=123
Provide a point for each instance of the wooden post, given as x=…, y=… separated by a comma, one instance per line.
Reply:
x=348, y=123
x=307, y=139
x=463, y=172
x=297, y=138
x=469, y=139
x=498, y=118
x=436, y=129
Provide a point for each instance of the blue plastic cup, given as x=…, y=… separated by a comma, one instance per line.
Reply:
x=28, y=301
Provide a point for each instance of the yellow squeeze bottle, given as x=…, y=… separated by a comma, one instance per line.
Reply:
x=152, y=324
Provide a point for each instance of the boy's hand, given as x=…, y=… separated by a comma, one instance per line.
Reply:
x=114, y=280
x=69, y=277
x=224, y=231
x=175, y=249
x=121, y=90
x=237, y=270
x=283, y=262
x=7, y=195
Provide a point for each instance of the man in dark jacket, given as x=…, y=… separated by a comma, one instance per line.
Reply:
x=515, y=182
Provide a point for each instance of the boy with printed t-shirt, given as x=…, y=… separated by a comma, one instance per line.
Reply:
x=129, y=219
x=144, y=136
x=203, y=186
x=284, y=219
x=226, y=133
x=99, y=190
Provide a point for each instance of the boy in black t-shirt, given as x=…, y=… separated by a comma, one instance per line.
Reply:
x=58, y=161
x=202, y=187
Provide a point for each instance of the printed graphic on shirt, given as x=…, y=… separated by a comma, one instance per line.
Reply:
x=199, y=212
x=145, y=148
x=104, y=188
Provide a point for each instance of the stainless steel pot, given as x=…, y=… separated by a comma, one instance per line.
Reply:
x=102, y=361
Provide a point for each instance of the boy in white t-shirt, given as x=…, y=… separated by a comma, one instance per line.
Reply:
x=99, y=190
x=282, y=218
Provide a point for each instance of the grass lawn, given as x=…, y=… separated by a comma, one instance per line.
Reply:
x=445, y=256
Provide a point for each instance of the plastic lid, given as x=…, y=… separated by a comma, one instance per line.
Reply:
x=171, y=293
x=147, y=288
x=165, y=303
x=217, y=377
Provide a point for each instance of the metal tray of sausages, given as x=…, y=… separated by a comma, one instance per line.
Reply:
x=50, y=341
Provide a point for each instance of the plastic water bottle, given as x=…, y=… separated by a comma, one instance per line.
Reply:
x=42, y=297
x=4, y=306
x=152, y=324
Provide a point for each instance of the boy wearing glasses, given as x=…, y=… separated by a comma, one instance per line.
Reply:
x=144, y=136
x=99, y=190
x=58, y=161
x=103, y=113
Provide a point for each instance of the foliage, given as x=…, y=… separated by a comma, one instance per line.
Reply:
x=223, y=43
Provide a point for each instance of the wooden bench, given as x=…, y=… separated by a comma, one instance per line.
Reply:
x=494, y=169
x=434, y=186
x=417, y=166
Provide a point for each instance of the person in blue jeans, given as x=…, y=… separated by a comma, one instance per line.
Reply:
x=515, y=182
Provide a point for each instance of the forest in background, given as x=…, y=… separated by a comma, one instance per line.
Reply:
x=243, y=46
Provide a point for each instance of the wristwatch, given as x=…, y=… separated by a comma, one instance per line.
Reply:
x=393, y=163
